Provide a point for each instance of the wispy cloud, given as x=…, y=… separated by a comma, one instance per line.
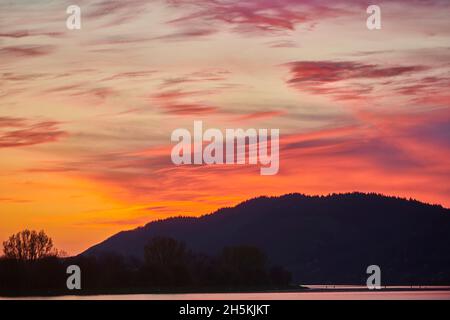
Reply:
x=338, y=78
x=19, y=132
x=17, y=34
x=254, y=16
x=26, y=51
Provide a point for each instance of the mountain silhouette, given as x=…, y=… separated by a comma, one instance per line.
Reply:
x=320, y=239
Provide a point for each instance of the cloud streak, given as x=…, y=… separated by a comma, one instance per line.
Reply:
x=26, y=51
x=339, y=78
x=20, y=132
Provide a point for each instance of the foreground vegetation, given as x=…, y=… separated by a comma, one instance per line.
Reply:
x=31, y=266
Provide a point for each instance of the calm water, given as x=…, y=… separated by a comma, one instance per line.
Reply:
x=318, y=292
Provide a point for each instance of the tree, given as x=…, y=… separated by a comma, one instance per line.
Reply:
x=29, y=245
x=165, y=252
x=243, y=266
x=166, y=263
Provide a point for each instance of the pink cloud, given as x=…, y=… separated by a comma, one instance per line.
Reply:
x=311, y=72
x=186, y=34
x=260, y=115
x=342, y=79
x=253, y=15
x=432, y=90
x=189, y=109
x=130, y=75
x=26, y=51
x=199, y=76
x=116, y=11
x=17, y=34
x=184, y=102
x=19, y=132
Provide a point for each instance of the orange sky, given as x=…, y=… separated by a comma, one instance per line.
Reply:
x=86, y=115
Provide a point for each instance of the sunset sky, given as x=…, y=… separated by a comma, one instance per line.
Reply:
x=86, y=115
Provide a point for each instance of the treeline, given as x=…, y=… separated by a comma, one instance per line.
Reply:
x=168, y=266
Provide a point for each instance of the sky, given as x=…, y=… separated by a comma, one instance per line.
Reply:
x=86, y=115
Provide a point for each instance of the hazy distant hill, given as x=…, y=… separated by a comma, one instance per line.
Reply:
x=327, y=239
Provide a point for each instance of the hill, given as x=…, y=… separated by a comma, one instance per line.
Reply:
x=320, y=239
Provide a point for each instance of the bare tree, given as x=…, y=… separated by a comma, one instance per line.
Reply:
x=164, y=252
x=28, y=245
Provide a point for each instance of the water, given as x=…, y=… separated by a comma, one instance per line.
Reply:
x=318, y=293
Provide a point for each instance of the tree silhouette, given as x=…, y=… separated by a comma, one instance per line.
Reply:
x=243, y=265
x=31, y=266
x=164, y=251
x=165, y=263
x=28, y=245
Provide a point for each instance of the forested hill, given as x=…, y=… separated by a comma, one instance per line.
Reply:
x=320, y=239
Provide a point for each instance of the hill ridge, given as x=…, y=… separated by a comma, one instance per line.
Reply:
x=308, y=233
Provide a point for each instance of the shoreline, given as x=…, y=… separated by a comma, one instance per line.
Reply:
x=303, y=289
